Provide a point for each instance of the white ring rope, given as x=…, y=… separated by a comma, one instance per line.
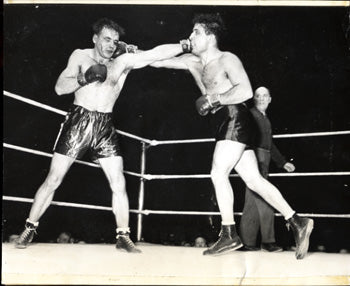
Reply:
x=35, y=103
x=47, y=107
x=65, y=204
x=204, y=176
x=166, y=177
x=40, y=153
x=148, y=212
x=163, y=142
x=330, y=133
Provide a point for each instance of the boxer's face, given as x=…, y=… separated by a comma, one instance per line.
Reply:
x=199, y=39
x=106, y=42
x=262, y=99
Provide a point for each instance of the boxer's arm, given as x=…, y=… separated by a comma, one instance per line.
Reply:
x=159, y=53
x=67, y=81
x=180, y=62
x=241, y=89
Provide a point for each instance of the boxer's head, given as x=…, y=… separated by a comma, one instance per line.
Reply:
x=207, y=30
x=262, y=98
x=106, y=36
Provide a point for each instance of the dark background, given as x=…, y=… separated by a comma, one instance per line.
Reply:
x=300, y=53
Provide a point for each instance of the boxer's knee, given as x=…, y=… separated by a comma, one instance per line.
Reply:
x=52, y=182
x=218, y=174
x=255, y=183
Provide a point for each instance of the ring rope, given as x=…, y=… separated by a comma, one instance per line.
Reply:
x=165, y=177
x=35, y=103
x=312, y=134
x=240, y=213
x=329, y=133
x=163, y=142
x=40, y=153
x=148, y=212
x=204, y=176
x=64, y=204
x=47, y=107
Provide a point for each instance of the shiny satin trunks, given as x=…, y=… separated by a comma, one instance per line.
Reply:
x=239, y=126
x=84, y=130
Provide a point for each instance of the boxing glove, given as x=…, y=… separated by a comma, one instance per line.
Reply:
x=123, y=48
x=186, y=46
x=207, y=103
x=94, y=73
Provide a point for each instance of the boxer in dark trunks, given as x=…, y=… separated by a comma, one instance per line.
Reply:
x=224, y=83
x=87, y=130
x=238, y=126
x=96, y=77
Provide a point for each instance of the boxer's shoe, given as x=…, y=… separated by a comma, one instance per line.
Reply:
x=302, y=228
x=26, y=236
x=125, y=243
x=228, y=241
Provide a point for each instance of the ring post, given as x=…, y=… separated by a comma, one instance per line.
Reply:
x=141, y=191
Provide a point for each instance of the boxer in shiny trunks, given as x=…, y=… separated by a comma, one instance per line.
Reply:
x=238, y=126
x=83, y=130
x=224, y=83
x=96, y=77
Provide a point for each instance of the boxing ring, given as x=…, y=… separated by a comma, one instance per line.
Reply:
x=158, y=264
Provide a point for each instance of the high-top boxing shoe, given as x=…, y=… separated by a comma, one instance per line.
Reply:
x=302, y=228
x=125, y=243
x=228, y=241
x=27, y=235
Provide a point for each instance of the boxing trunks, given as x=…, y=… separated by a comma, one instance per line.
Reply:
x=238, y=125
x=84, y=130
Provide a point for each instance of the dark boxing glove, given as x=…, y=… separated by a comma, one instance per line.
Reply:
x=186, y=46
x=207, y=103
x=123, y=48
x=94, y=73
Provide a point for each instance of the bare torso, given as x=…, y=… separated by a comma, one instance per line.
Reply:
x=211, y=78
x=98, y=96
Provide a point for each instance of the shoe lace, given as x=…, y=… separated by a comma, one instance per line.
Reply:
x=26, y=233
x=127, y=240
x=217, y=242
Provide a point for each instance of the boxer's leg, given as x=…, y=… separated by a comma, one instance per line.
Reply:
x=247, y=168
x=226, y=155
x=60, y=165
x=113, y=169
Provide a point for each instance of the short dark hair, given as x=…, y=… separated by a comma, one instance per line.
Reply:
x=107, y=23
x=213, y=24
